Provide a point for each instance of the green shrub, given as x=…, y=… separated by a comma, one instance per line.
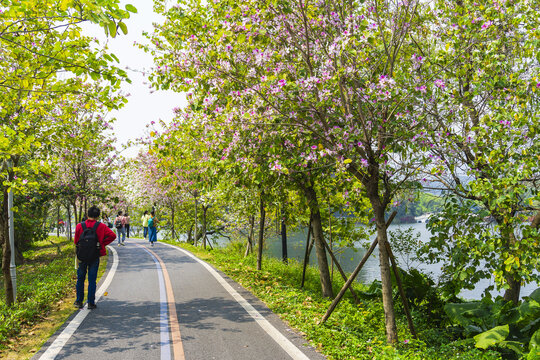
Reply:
x=499, y=324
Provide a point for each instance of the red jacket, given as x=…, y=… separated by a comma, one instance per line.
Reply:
x=104, y=234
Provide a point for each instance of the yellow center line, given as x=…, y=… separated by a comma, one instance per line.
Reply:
x=178, y=347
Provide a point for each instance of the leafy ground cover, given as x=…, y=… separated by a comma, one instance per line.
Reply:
x=353, y=331
x=45, y=294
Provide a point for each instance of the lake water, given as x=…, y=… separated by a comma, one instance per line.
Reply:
x=349, y=258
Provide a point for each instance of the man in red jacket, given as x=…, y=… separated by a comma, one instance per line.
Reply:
x=105, y=237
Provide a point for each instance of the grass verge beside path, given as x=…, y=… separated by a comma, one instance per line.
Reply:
x=352, y=332
x=45, y=296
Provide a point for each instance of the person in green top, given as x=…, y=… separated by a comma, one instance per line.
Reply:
x=144, y=220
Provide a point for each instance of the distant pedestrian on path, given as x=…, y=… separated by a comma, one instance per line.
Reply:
x=144, y=221
x=120, y=225
x=91, y=238
x=126, y=216
x=152, y=230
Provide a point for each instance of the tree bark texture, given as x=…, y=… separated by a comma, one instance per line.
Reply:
x=74, y=204
x=6, y=251
x=261, y=232
x=69, y=234
x=204, y=209
x=379, y=206
x=384, y=264
x=57, y=220
x=512, y=293
x=190, y=235
x=173, y=232
x=309, y=246
x=284, y=255
x=318, y=238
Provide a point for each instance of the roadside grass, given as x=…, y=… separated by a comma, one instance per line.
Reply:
x=45, y=296
x=352, y=331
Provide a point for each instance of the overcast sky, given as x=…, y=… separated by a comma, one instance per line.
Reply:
x=143, y=106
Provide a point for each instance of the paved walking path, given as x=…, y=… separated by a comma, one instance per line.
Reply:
x=162, y=302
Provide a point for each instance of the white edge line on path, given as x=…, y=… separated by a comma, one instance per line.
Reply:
x=274, y=333
x=68, y=331
x=163, y=311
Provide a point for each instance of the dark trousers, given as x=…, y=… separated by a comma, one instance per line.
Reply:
x=92, y=270
x=127, y=230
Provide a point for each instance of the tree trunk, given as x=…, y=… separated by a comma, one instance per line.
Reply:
x=196, y=227
x=309, y=246
x=284, y=255
x=371, y=182
x=57, y=220
x=80, y=214
x=535, y=223
x=331, y=244
x=512, y=293
x=68, y=224
x=190, y=235
x=205, y=209
x=6, y=251
x=384, y=264
x=172, y=222
x=74, y=204
x=261, y=232
x=318, y=238
x=249, y=245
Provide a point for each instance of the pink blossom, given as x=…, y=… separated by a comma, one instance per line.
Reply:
x=487, y=24
x=439, y=83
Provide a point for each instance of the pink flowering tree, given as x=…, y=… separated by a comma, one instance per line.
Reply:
x=84, y=160
x=330, y=82
x=167, y=176
x=183, y=159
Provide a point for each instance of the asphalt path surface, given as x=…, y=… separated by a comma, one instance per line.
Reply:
x=162, y=302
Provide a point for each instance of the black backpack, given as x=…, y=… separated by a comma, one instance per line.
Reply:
x=88, y=245
x=118, y=223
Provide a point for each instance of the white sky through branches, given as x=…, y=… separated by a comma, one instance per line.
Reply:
x=145, y=105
